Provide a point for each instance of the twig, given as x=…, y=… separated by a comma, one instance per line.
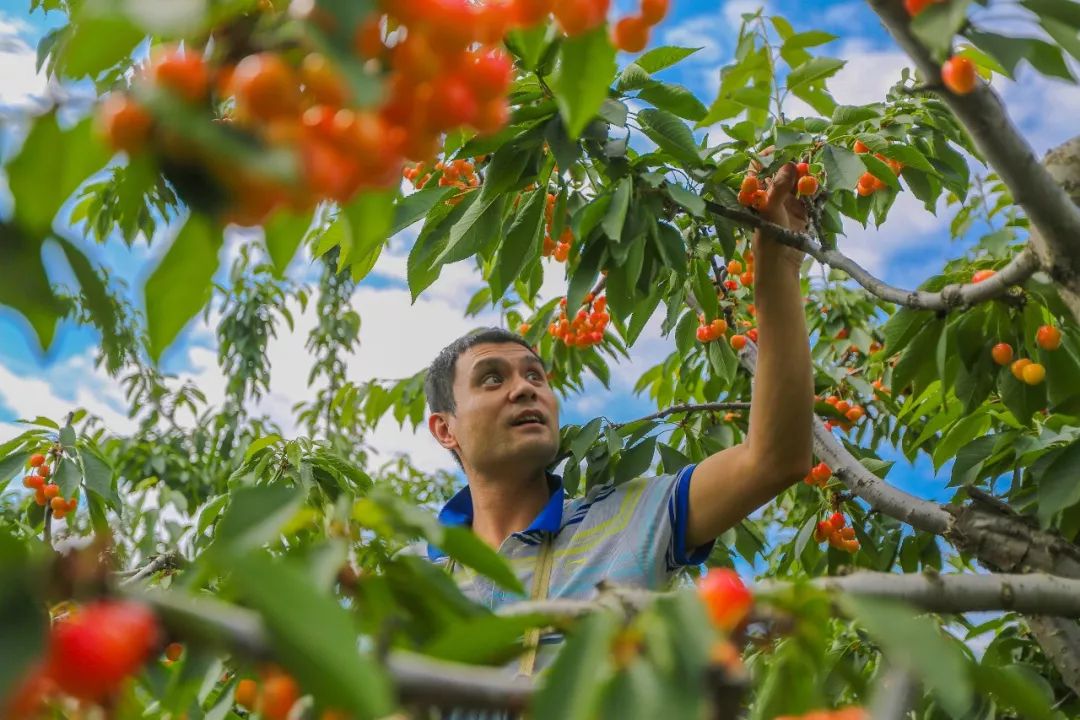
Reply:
x=160, y=562
x=687, y=408
x=954, y=296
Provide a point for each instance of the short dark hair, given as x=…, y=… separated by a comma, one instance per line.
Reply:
x=439, y=383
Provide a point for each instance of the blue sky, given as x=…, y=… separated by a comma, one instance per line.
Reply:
x=901, y=252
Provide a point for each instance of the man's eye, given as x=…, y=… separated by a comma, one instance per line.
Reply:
x=490, y=376
x=536, y=375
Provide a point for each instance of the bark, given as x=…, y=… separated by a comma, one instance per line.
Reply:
x=1059, y=639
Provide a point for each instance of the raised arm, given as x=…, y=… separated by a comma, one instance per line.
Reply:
x=728, y=486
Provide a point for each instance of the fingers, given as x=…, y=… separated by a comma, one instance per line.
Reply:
x=783, y=185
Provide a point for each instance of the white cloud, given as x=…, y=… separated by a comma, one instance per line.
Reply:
x=23, y=88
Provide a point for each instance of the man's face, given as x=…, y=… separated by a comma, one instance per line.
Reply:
x=507, y=416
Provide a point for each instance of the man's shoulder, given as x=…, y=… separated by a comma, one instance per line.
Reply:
x=611, y=493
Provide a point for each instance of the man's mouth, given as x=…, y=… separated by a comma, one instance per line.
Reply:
x=528, y=419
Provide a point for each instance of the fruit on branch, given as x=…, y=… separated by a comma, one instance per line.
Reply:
x=92, y=651
x=577, y=17
x=247, y=694
x=33, y=482
x=869, y=184
x=1017, y=368
x=183, y=73
x=738, y=342
x=914, y=7
x=1033, y=373
x=958, y=75
x=734, y=267
x=523, y=328
x=849, y=713
x=654, y=11
x=1002, y=353
x=838, y=533
x=709, y=331
x=37, y=460
x=819, y=475
x=750, y=185
x=26, y=697
x=1048, y=337
x=587, y=327
x=860, y=147
x=279, y=693
x=980, y=275
x=802, y=169
x=51, y=491
x=44, y=471
x=726, y=598
x=808, y=185
x=631, y=34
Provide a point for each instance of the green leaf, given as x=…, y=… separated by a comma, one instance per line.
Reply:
x=812, y=71
x=585, y=439
x=371, y=215
x=902, y=327
x=463, y=545
x=1021, y=399
x=937, y=25
x=852, y=114
x=314, y=637
x=1014, y=687
x=672, y=247
x=908, y=155
x=671, y=134
x=67, y=477
x=1059, y=485
x=919, y=646
x=688, y=199
x=613, y=221
x=51, y=164
x=585, y=71
x=98, y=477
x=662, y=57
x=421, y=268
x=843, y=168
x=481, y=639
x=1009, y=51
x=284, y=233
x=521, y=244
x=635, y=461
x=26, y=287
x=181, y=284
x=12, y=465
x=93, y=289
x=98, y=41
x=255, y=516
x=573, y=686
x=411, y=208
x=23, y=615
x=260, y=443
x=675, y=99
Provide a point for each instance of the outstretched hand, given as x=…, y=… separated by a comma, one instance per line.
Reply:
x=785, y=208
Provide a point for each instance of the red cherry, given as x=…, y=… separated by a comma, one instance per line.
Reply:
x=92, y=652
x=726, y=598
x=821, y=473
x=37, y=459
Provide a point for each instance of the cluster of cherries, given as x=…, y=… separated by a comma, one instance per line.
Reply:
x=443, y=71
x=1025, y=370
x=868, y=182
x=559, y=250
x=839, y=534
x=958, y=72
x=273, y=695
x=753, y=195
x=852, y=413
x=45, y=492
x=819, y=475
x=460, y=174
x=587, y=327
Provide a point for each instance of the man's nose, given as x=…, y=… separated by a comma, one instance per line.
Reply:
x=522, y=389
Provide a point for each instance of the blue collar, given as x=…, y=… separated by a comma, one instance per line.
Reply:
x=459, y=511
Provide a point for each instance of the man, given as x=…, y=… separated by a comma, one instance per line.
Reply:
x=493, y=409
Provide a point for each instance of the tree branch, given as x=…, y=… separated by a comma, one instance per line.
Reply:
x=895, y=695
x=919, y=513
x=687, y=408
x=1054, y=217
x=160, y=562
x=950, y=297
x=1059, y=638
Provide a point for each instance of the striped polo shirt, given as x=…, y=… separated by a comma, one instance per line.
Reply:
x=632, y=534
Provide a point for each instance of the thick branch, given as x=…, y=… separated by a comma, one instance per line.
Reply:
x=1059, y=638
x=160, y=562
x=1054, y=216
x=950, y=297
x=919, y=513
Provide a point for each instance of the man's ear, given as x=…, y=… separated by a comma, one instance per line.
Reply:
x=440, y=430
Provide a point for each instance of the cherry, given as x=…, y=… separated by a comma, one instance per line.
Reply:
x=654, y=11
x=577, y=17
x=1002, y=353
x=265, y=87
x=808, y=185
x=738, y=342
x=702, y=334
x=37, y=460
x=750, y=184
x=491, y=73
x=1048, y=337
x=980, y=275
x=718, y=327
x=51, y=491
x=837, y=521
x=34, y=482
x=183, y=73
x=173, y=651
x=523, y=328
x=279, y=693
x=530, y=12
x=820, y=473
x=747, y=278
x=734, y=267
x=1017, y=368
x=92, y=652
x=247, y=693
x=860, y=147
x=855, y=414
x=752, y=334
x=1033, y=373
x=631, y=34
x=958, y=74
x=914, y=7
x=321, y=81
x=760, y=200
x=802, y=169
x=726, y=598
x=44, y=471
